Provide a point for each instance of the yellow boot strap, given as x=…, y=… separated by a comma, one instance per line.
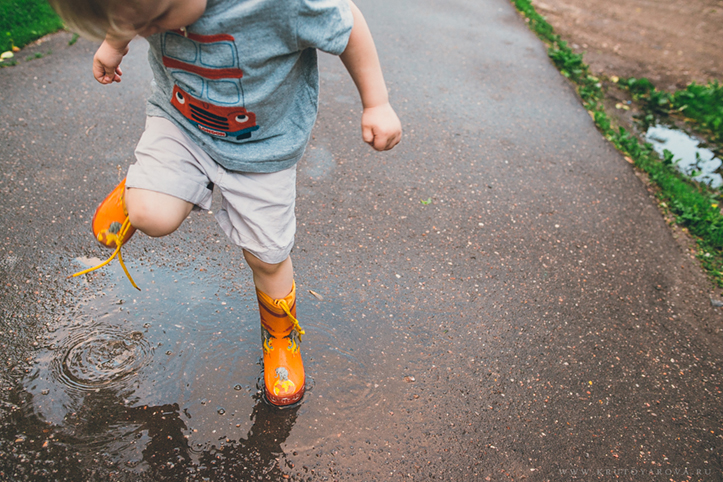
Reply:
x=282, y=304
x=118, y=238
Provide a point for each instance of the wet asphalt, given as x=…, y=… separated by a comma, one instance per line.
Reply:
x=498, y=298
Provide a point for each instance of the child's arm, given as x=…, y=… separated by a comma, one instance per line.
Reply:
x=380, y=125
x=106, y=63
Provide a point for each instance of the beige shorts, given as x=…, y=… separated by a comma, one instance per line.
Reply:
x=257, y=209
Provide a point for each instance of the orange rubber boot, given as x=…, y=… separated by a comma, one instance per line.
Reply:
x=110, y=217
x=112, y=229
x=281, y=337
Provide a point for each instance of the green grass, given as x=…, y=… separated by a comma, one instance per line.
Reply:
x=22, y=21
x=695, y=206
x=699, y=105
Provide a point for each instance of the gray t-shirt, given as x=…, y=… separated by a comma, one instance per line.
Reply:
x=243, y=82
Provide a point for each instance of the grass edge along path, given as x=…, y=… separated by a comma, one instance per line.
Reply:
x=695, y=206
x=23, y=21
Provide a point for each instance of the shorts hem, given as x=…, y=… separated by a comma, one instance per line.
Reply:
x=196, y=194
x=270, y=256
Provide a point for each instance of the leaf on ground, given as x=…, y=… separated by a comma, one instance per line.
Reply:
x=316, y=295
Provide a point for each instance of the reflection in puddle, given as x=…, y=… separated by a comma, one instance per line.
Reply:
x=698, y=162
x=165, y=381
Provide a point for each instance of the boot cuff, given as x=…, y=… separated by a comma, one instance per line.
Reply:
x=272, y=305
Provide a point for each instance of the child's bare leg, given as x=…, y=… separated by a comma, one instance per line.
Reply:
x=273, y=279
x=155, y=213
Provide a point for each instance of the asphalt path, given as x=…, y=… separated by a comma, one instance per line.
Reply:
x=498, y=298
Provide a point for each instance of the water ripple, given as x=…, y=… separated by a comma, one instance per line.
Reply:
x=101, y=356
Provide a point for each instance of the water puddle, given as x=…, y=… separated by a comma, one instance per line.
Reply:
x=163, y=381
x=99, y=356
x=698, y=162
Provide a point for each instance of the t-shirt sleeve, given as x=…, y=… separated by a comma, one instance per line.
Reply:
x=324, y=25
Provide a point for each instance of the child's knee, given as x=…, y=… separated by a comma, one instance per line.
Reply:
x=155, y=214
x=148, y=221
x=262, y=267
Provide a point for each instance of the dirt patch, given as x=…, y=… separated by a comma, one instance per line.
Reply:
x=671, y=42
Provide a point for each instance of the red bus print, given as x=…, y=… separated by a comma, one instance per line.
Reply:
x=207, y=83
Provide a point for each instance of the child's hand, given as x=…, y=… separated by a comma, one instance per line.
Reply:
x=381, y=128
x=106, y=63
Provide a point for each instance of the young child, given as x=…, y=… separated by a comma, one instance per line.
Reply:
x=235, y=91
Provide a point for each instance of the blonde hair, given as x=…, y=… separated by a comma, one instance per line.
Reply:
x=92, y=19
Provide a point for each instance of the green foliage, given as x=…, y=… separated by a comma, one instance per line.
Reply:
x=570, y=64
x=668, y=157
x=22, y=21
x=695, y=206
x=704, y=105
x=537, y=22
x=638, y=87
x=701, y=105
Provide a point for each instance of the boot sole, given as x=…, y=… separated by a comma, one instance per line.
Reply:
x=283, y=401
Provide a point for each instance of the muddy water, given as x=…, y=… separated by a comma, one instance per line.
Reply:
x=689, y=155
x=166, y=382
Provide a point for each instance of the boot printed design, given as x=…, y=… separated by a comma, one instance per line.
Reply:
x=294, y=341
x=266, y=339
x=283, y=385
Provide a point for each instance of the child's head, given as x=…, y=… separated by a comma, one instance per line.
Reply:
x=124, y=18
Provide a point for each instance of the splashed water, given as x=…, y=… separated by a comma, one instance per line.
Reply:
x=103, y=357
